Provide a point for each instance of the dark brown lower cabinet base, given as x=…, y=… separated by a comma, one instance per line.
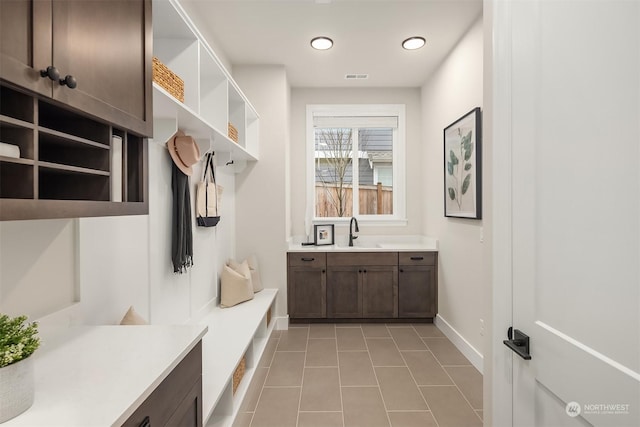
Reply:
x=362, y=287
x=177, y=401
x=374, y=320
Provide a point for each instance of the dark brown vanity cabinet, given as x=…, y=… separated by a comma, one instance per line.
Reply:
x=177, y=401
x=417, y=284
x=307, y=285
x=75, y=108
x=91, y=55
x=362, y=285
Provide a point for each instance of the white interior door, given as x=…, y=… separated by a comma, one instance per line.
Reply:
x=575, y=191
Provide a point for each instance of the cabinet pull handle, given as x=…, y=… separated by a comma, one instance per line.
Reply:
x=69, y=81
x=51, y=72
x=146, y=422
x=307, y=259
x=417, y=258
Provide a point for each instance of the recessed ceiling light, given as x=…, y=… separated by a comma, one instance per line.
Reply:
x=321, y=43
x=413, y=43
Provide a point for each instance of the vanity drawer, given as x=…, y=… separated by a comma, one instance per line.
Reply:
x=310, y=259
x=417, y=258
x=362, y=259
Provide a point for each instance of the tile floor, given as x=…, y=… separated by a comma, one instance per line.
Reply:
x=368, y=375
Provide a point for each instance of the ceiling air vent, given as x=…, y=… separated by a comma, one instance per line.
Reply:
x=356, y=76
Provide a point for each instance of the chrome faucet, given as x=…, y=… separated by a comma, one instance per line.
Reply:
x=351, y=236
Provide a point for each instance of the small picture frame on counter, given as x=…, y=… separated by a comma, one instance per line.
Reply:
x=323, y=234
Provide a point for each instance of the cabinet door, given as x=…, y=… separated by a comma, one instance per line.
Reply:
x=344, y=292
x=307, y=292
x=189, y=412
x=380, y=292
x=25, y=43
x=417, y=294
x=177, y=401
x=106, y=46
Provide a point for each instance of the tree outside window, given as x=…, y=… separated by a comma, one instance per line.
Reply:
x=339, y=151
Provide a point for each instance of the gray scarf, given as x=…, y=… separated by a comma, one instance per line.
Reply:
x=182, y=238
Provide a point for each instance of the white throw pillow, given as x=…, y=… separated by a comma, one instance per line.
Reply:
x=235, y=287
x=133, y=318
x=255, y=273
x=241, y=267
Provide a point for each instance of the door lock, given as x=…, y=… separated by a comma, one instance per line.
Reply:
x=518, y=342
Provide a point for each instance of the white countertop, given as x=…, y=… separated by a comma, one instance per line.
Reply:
x=372, y=244
x=90, y=376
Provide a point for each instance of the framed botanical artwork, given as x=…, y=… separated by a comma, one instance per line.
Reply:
x=463, y=167
x=323, y=234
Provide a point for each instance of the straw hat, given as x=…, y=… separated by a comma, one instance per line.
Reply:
x=184, y=151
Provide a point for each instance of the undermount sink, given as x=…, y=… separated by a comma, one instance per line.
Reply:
x=359, y=245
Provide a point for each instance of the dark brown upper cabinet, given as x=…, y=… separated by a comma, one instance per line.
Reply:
x=75, y=108
x=93, y=56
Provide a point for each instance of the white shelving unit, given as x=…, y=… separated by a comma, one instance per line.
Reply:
x=234, y=332
x=211, y=98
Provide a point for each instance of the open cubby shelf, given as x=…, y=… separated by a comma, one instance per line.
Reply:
x=212, y=99
x=66, y=162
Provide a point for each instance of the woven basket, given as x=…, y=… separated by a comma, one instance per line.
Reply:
x=239, y=373
x=269, y=316
x=168, y=80
x=233, y=133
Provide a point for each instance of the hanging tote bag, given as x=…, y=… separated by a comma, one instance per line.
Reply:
x=207, y=197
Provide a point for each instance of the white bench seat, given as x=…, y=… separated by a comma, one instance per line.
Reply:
x=234, y=332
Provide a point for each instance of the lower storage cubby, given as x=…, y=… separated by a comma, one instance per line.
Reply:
x=58, y=149
x=19, y=136
x=136, y=165
x=16, y=180
x=62, y=184
x=238, y=374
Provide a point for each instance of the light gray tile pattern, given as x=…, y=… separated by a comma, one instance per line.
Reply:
x=369, y=375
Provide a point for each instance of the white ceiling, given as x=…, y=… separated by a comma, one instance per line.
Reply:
x=367, y=35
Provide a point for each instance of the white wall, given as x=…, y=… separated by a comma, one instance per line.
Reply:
x=454, y=90
x=301, y=97
x=114, y=267
x=176, y=298
x=110, y=263
x=261, y=197
x=38, y=266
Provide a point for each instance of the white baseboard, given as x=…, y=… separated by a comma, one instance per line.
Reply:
x=469, y=351
x=282, y=323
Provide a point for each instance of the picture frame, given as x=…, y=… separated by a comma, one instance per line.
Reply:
x=323, y=234
x=463, y=167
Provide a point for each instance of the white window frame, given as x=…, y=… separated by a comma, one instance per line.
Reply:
x=399, y=160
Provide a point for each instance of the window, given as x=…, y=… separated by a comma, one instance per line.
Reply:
x=356, y=161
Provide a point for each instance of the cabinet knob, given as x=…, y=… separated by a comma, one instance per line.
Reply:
x=51, y=72
x=324, y=271
x=359, y=271
x=364, y=271
x=69, y=81
x=402, y=270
